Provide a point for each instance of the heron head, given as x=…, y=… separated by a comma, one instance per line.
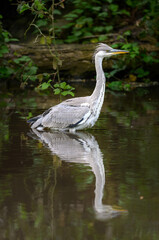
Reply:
x=103, y=50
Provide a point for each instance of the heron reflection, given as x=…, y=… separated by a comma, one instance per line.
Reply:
x=80, y=148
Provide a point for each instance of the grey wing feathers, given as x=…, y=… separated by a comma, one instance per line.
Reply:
x=36, y=121
x=75, y=101
x=64, y=116
x=67, y=114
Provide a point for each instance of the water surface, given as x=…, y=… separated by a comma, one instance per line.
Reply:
x=96, y=184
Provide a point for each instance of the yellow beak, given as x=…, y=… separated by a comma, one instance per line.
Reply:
x=116, y=51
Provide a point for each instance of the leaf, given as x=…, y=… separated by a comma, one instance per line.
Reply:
x=68, y=87
x=57, y=91
x=71, y=39
x=44, y=86
x=78, y=11
x=63, y=85
x=103, y=15
x=65, y=93
x=113, y=8
x=123, y=11
x=116, y=85
x=96, y=9
x=141, y=72
x=108, y=28
x=132, y=78
x=33, y=78
x=4, y=49
x=149, y=59
x=29, y=115
x=130, y=3
x=25, y=77
x=71, y=16
x=102, y=38
x=78, y=33
x=62, y=5
x=38, y=5
x=98, y=29
x=41, y=15
x=40, y=77
x=6, y=72
x=127, y=33
x=23, y=7
x=87, y=34
x=41, y=23
x=22, y=59
x=32, y=70
x=57, y=12
x=68, y=25
x=56, y=85
x=46, y=75
x=13, y=40
x=127, y=87
x=89, y=20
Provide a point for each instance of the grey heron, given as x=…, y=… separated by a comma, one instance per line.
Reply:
x=80, y=112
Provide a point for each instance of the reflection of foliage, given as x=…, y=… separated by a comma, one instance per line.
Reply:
x=122, y=118
x=4, y=132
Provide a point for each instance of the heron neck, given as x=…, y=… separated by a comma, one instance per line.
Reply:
x=100, y=79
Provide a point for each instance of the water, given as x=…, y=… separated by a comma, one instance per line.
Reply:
x=96, y=184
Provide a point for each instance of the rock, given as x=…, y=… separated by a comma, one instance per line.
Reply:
x=76, y=58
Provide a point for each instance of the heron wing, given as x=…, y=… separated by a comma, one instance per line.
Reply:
x=65, y=116
x=75, y=101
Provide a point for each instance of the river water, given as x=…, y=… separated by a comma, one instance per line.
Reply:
x=99, y=184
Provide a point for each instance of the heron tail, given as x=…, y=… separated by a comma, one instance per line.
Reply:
x=34, y=119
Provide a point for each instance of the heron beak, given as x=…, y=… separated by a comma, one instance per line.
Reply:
x=117, y=51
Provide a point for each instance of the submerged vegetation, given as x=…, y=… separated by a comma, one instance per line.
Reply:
x=127, y=24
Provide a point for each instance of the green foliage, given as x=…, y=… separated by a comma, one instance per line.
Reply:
x=141, y=73
x=119, y=86
x=116, y=85
x=93, y=21
x=138, y=59
x=133, y=48
x=117, y=67
x=64, y=89
x=89, y=19
x=61, y=88
x=85, y=21
x=21, y=68
x=44, y=17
